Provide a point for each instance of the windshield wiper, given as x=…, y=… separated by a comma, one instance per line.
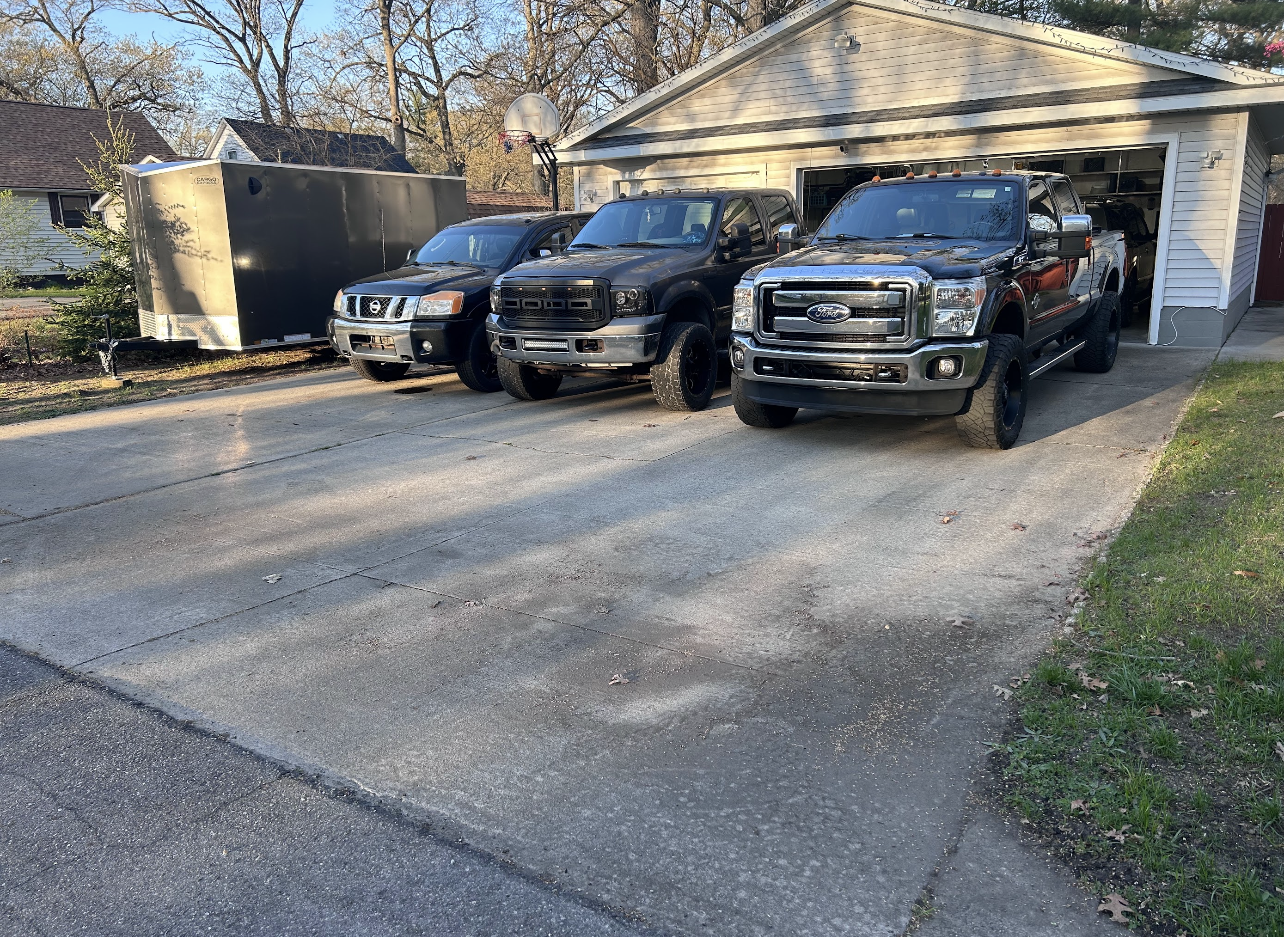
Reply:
x=646, y=244
x=592, y=247
x=844, y=237
x=925, y=234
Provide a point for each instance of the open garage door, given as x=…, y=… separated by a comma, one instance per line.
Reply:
x=1122, y=189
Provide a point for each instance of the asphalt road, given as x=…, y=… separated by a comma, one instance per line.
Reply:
x=710, y=677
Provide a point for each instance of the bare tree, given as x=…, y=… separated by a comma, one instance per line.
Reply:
x=258, y=38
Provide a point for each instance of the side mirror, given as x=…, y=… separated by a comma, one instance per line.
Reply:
x=410, y=255
x=735, y=242
x=1076, y=224
x=558, y=243
x=790, y=238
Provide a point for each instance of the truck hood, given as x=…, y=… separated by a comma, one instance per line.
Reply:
x=630, y=266
x=940, y=259
x=420, y=281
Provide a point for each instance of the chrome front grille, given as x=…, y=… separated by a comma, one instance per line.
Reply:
x=567, y=306
x=380, y=308
x=878, y=313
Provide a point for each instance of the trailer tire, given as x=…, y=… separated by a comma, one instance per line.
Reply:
x=996, y=407
x=527, y=383
x=1102, y=336
x=686, y=368
x=381, y=371
x=479, y=371
x=761, y=415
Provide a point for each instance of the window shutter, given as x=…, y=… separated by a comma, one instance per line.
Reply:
x=55, y=208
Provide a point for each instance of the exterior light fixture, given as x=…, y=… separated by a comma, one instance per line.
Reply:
x=848, y=43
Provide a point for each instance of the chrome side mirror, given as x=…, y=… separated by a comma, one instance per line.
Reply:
x=789, y=238
x=1076, y=224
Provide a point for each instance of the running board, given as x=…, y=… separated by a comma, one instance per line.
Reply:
x=1053, y=362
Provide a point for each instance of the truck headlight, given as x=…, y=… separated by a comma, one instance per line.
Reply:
x=742, y=308
x=630, y=302
x=496, y=304
x=338, y=301
x=440, y=305
x=956, y=305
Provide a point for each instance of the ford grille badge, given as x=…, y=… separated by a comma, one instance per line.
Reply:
x=829, y=312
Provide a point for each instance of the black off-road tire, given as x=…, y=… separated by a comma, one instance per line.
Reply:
x=761, y=415
x=997, y=403
x=1128, y=304
x=479, y=370
x=380, y=371
x=1101, y=332
x=525, y=382
x=686, y=368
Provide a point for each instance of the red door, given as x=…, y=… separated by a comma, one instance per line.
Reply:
x=1270, y=266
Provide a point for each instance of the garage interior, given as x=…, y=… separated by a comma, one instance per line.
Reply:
x=1134, y=176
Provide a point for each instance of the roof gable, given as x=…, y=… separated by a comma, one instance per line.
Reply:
x=305, y=146
x=912, y=51
x=42, y=145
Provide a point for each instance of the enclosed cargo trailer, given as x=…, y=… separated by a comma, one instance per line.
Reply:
x=238, y=254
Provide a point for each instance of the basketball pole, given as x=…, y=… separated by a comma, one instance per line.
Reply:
x=544, y=150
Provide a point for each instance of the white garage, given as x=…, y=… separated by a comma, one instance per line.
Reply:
x=841, y=91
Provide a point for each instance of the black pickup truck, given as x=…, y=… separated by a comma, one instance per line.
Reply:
x=644, y=291
x=936, y=295
x=432, y=310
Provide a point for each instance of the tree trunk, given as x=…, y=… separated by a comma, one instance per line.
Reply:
x=394, y=83
x=644, y=33
x=1134, y=21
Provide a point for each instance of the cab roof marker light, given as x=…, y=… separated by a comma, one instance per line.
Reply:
x=997, y=172
x=956, y=173
x=877, y=179
x=932, y=174
x=909, y=175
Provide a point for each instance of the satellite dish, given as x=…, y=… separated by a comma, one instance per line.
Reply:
x=533, y=114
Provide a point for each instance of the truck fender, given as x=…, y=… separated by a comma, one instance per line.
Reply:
x=684, y=292
x=1118, y=258
x=1008, y=293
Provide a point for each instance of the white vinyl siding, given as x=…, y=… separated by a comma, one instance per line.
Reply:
x=1201, y=211
x=902, y=61
x=58, y=252
x=1252, y=198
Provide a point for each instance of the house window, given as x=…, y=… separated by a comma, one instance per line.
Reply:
x=231, y=154
x=70, y=211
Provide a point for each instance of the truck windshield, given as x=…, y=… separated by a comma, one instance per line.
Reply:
x=652, y=222
x=478, y=245
x=985, y=210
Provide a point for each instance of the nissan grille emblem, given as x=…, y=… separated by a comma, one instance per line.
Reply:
x=376, y=307
x=829, y=312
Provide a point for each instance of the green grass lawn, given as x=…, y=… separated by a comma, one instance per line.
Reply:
x=37, y=293
x=1149, y=751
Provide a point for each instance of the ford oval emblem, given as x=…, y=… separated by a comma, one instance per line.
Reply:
x=829, y=312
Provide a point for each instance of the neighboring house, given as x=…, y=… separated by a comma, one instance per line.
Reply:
x=483, y=204
x=41, y=151
x=268, y=143
x=842, y=90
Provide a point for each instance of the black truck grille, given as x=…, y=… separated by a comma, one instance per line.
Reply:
x=565, y=306
x=900, y=312
x=375, y=307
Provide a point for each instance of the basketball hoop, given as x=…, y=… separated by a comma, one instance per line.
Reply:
x=512, y=139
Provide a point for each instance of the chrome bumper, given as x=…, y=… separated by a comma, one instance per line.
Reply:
x=915, y=363
x=621, y=342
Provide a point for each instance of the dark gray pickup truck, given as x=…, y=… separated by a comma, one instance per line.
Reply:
x=936, y=295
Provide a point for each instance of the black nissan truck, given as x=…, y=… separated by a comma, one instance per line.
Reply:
x=643, y=292
x=942, y=294
x=432, y=309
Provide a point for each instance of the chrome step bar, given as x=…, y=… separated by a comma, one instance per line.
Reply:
x=1052, y=362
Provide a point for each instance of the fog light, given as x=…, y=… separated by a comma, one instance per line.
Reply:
x=737, y=356
x=947, y=367
x=426, y=346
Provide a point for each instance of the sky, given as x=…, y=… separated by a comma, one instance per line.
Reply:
x=317, y=15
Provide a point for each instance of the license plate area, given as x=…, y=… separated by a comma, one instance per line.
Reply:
x=379, y=343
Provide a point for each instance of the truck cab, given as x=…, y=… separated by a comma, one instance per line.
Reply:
x=432, y=309
x=643, y=293
x=930, y=296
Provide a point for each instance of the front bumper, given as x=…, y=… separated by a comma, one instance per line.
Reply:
x=622, y=342
x=868, y=382
x=401, y=341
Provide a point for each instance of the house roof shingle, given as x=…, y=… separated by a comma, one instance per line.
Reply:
x=42, y=145
x=273, y=144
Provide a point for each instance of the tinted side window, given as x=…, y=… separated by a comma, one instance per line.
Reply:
x=1065, y=197
x=742, y=210
x=779, y=213
x=544, y=246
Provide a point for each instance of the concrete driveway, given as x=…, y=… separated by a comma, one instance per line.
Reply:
x=798, y=717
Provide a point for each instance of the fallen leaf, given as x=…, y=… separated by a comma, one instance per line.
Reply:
x=1002, y=691
x=618, y=680
x=272, y=577
x=1198, y=713
x=1248, y=574
x=1184, y=683
x=1154, y=711
x=469, y=603
x=960, y=621
x=1259, y=664
x=1160, y=579
x=1279, y=750
x=1091, y=683
x=649, y=426
x=1018, y=526
x=7, y=560
x=470, y=458
x=1118, y=835
x=1076, y=665
x=602, y=610
x=1220, y=655
x=1116, y=907
x=1279, y=415
x=1213, y=409
x=1194, y=442
x=1078, y=805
